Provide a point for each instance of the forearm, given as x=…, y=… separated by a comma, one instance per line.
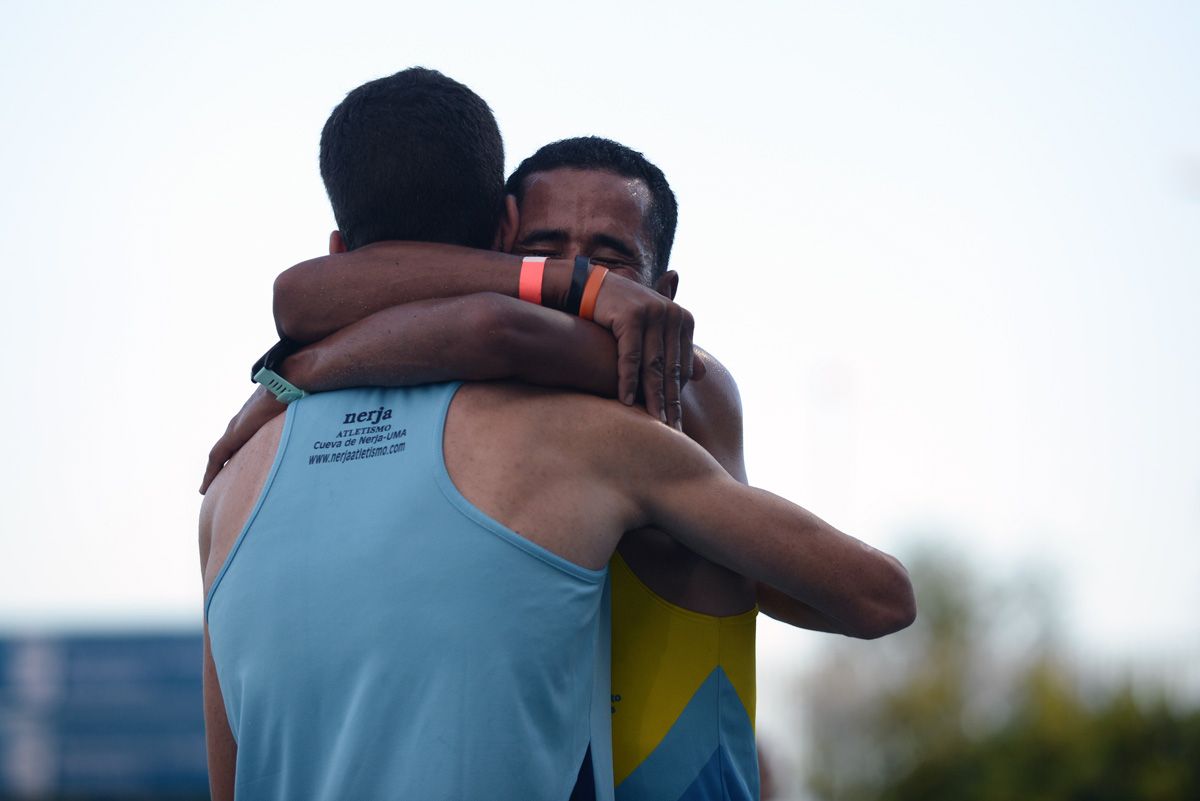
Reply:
x=717, y=426
x=858, y=590
x=320, y=296
x=552, y=349
x=480, y=337
x=786, y=609
x=826, y=580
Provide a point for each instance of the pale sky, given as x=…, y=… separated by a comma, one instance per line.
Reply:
x=950, y=254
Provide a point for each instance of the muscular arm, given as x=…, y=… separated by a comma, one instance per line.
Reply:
x=322, y=295
x=851, y=587
x=479, y=336
x=715, y=422
x=318, y=297
x=653, y=334
x=864, y=592
x=476, y=338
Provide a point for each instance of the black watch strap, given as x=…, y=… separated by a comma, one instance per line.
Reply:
x=274, y=357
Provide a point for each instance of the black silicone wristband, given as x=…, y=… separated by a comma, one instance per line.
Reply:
x=579, y=276
x=275, y=356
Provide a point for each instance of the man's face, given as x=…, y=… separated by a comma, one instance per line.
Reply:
x=569, y=212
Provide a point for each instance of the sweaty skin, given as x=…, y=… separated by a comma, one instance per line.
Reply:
x=565, y=212
x=321, y=296
x=424, y=341
x=570, y=212
x=594, y=213
x=573, y=473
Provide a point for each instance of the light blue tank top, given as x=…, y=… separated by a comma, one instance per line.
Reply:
x=378, y=637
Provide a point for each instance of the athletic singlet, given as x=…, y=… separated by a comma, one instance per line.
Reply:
x=682, y=698
x=376, y=636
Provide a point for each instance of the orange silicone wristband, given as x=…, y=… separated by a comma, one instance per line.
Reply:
x=529, y=287
x=591, y=291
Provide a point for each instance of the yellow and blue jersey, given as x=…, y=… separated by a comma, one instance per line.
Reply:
x=683, y=697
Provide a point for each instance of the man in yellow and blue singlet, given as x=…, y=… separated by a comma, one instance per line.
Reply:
x=683, y=683
x=683, y=680
x=683, y=628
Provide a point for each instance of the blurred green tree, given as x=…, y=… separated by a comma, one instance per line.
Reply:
x=976, y=702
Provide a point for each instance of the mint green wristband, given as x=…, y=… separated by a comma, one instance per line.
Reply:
x=285, y=391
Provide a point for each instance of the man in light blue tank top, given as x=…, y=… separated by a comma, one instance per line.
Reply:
x=452, y=165
x=376, y=635
x=378, y=627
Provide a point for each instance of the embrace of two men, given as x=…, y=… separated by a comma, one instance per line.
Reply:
x=456, y=567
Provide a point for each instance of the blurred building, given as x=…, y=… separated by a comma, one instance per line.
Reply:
x=102, y=717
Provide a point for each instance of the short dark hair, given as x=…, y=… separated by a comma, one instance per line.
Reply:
x=597, y=153
x=414, y=156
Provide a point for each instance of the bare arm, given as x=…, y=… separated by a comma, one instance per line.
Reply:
x=856, y=589
x=475, y=338
x=320, y=296
x=864, y=592
x=478, y=338
x=653, y=334
x=715, y=422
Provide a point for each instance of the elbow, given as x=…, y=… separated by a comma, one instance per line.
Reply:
x=283, y=306
x=891, y=606
x=887, y=620
x=292, y=319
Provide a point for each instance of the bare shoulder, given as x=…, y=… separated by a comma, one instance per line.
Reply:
x=558, y=415
x=712, y=415
x=715, y=369
x=563, y=469
x=715, y=395
x=574, y=431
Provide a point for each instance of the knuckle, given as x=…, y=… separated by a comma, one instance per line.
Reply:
x=656, y=365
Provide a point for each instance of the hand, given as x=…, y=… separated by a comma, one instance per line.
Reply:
x=259, y=410
x=654, y=345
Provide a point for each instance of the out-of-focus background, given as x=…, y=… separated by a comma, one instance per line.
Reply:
x=951, y=253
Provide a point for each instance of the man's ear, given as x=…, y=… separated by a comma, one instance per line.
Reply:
x=668, y=284
x=506, y=232
x=336, y=243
